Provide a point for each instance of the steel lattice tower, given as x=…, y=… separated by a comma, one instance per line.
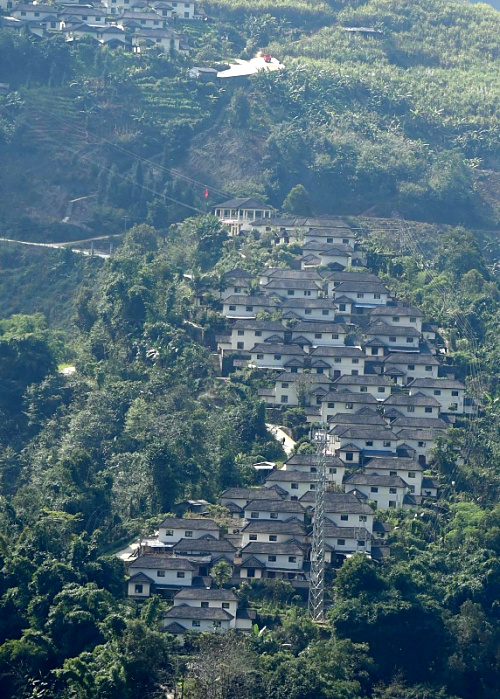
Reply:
x=317, y=574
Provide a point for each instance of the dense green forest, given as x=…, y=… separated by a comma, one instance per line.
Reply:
x=404, y=125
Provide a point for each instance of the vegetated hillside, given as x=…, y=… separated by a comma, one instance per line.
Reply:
x=403, y=119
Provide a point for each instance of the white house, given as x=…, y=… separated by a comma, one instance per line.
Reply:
x=395, y=338
x=308, y=309
x=208, y=598
x=173, y=529
x=287, y=556
x=242, y=496
x=294, y=389
x=421, y=440
x=342, y=540
x=344, y=509
x=371, y=441
x=336, y=277
x=416, y=405
x=246, y=333
x=364, y=295
x=448, y=392
x=270, y=273
x=274, y=509
x=408, y=470
x=341, y=360
x=386, y=491
x=297, y=288
x=380, y=387
x=184, y=617
x=239, y=214
x=242, y=306
x=413, y=366
x=296, y=483
x=398, y=315
x=344, y=401
x=164, y=571
x=309, y=463
x=320, y=333
x=336, y=236
x=274, y=356
x=270, y=531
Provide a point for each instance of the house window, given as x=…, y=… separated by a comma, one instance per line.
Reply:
x=349, y=406
x=381, y=389
x=395, y=319
x=410, y=408
x=331, y=405
x=325, y=312
x=344, y=518
x=249, y=308
x=291, y=292
x=241, y=333
x=369, y=443
x=253, y=537
x=284, y=399
x=374, y=489
x=421, y=444
x=376, y=296
x=454, y=394
x=411, y=367
x=428, y=368
x=413, y=319
x=188, y=534
x=318, y=336
x=250, y=572
x=428, y=410
x=363, y=389
x=260, y=356
x=360, y=295
x=412, y=489
x=411, y=474
x=273, y=537
x=254, y=515
x=312, y=486
x=340, y=542
x=392, y=503
x=409, y=340
x=387, y=443
x=308, y=311
x=437, y=392
x=273, y=515
x=195, y=623
x=225, y=605
x=237, y=289
x=335, y=336
x=292, y=559
x=355, y=361
x=271, y=559
x=354, y=372
x=363, y=518
x=345, y=241
x=284, y=384
x=307, y=292
x=181, y=574
x=332, y=470
x=138, y=589
x=258, y=333
x=169, y=532
x=349, y=456
x=277, y=356
x=160, y=573
x=204, y=605
x=361, y=542
x=294, y=486
x=232, y=308
x=453, y=406
x=240, y=345
x=392, y=491
x=338, y=360
x=392, y=339
x=374, y=350
x=341, y=306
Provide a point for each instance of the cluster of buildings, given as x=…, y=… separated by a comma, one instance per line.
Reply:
x=334, y=342
x=131, y=24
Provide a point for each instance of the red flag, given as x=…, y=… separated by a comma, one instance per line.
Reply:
x=206, y=192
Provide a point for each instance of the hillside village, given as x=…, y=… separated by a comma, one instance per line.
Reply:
x=127, y=24
x=358, y=362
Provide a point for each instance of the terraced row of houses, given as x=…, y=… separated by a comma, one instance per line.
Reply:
x=131, y=24
x=338, y=345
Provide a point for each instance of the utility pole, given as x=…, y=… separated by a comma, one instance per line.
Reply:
x=317, y=574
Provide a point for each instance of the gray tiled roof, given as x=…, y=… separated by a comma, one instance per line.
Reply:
x=183, y=611
x=188, y=523
x=288, y=548
x=202, y=593
x=290, y=506
x=273, y=526
x=159, y=562
x=376, y=479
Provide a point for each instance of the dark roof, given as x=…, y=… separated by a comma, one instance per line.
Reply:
x=367, y=433
x=309, y=303
x=312, y=460
x=158, y=562
x=286, y=350
x=418, y=433
x=376, y=479
x=332, y=530
x=140, y=578
x=284, y=273
x=418, y=399
x=203, y=593
x=253, y=324
x=237, y=273
x=322, y=379
x=248, y=493
x=291, y=527
x=420, y=359
x=174, y=627
x=316, y=326
x=419, y=422
x=283, y=476
x=364, y=380
x=397, y=311
x=342, y=351
x=382, y=526
x=430, y=483
x=183, y=611
x=350, y=397
x=242, y=299
x=353, y=285
x=394, y=464
x=436, y=383
x=252, y=562
x=356, y=419
x=385, y=330
x=291, y=548
x=190, y=523
x=341, y=503
x=201, y=545
x=299, y=284
x=290, y=506
x=243, y=203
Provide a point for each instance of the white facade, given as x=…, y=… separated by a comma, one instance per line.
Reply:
x=174, y=529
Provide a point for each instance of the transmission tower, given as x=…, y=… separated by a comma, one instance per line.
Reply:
x=317, y=583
